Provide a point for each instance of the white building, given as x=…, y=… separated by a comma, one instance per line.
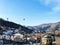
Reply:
x=18, y=36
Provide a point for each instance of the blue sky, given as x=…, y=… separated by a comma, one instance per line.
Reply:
x=35, y=12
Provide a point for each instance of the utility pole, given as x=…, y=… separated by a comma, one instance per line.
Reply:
x=26, y=32
x=36, y=37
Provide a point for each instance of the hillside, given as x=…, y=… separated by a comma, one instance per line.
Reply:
x=46, y=27
x=43, y=27
x=7, y=24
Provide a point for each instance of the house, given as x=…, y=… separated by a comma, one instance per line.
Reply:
x=10, y=42
x=1, y=42
x=47, y=39
x=7, y=37
x=18, y=37
x=8, y=32
x=18, y=34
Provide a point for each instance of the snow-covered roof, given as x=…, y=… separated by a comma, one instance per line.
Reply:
x=17, y=34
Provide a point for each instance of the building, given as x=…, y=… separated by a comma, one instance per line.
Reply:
x=47, y=40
